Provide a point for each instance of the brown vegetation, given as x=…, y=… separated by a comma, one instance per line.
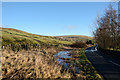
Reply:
x=79, y=45
x=30, y=64
x=107, y=33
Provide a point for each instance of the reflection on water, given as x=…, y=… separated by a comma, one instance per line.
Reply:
x=64, y=54
x=93, y=49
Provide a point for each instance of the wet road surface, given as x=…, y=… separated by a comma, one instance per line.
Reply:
x=107, y=67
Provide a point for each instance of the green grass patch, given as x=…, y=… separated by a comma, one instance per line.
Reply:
x=87, y=67
x=16, y=37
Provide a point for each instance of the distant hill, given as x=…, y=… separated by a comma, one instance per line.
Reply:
x=75, y=38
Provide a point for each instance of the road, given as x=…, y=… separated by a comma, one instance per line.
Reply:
x=106, y=66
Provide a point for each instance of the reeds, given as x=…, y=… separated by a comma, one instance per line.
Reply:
x=30, y=64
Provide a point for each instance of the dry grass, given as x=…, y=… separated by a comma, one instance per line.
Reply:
x=40, y=63
x=30, y=64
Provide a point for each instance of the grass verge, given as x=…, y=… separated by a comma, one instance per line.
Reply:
x=87, y=67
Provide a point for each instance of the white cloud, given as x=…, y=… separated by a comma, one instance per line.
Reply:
x=71, y=27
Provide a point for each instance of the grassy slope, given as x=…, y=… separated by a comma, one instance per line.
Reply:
x=14, y=36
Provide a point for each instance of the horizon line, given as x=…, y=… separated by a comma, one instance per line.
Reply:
x=50, y=35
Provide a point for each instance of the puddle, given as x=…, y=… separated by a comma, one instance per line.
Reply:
x=93, y=49
x=65, y=54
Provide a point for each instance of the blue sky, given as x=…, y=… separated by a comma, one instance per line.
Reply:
x=52, y=18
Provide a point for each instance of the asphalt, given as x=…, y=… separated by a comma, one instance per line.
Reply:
x=106, y=66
